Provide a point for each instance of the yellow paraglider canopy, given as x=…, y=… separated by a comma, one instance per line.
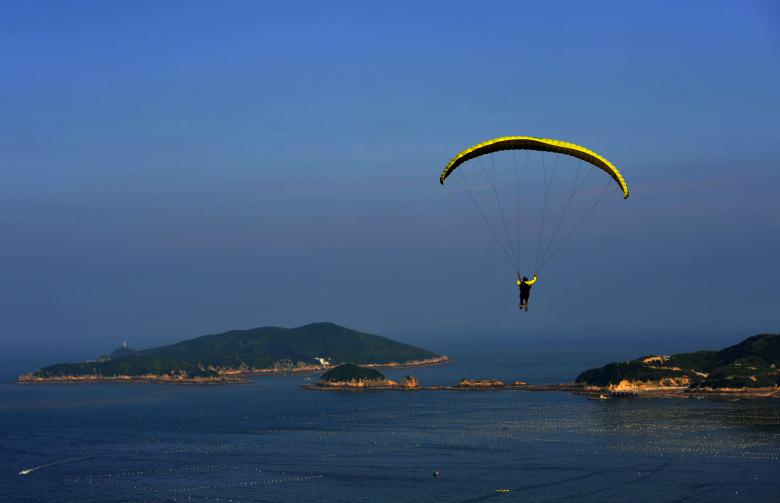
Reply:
x=540, y=144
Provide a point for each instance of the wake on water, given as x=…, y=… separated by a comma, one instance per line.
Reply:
x=28, y=471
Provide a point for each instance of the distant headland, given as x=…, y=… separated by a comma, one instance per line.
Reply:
x=230, y=356
x=748, y=367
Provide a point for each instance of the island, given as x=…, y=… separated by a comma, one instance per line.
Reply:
x=350, y=376
x=749, y=368
x=230, y=357
x=355, y=376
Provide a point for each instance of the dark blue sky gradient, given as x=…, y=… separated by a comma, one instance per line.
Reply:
x=170, y=169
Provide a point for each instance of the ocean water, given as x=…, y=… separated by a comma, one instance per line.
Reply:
x=273, y=441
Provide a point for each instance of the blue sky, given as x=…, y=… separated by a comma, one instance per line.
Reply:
x=169, y=169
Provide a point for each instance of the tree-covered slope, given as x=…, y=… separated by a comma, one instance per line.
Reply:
x=258, y=348
x=753, y=362
x=634, y=370
x=349, y=373
x=126, y=366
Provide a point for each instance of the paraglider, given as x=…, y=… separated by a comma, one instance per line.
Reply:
x=524, y=285
x=541, y=145
x=548, y=242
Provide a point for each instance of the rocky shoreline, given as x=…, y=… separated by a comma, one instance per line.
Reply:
x=660, y=390
x=574, y=388
x=225, y=375
x=146, y=379
x=307, y=369
x=444, y=387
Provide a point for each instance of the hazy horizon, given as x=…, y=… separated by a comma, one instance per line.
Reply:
x=170, y=171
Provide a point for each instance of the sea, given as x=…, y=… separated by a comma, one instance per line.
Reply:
x=274, y=441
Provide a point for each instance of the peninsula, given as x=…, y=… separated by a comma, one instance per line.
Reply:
x=231, y=356
x=750, y=367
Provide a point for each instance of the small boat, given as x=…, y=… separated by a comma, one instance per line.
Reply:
x=600, y=397
x=503, y=491
x=26, y=471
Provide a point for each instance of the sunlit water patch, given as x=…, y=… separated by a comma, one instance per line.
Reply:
x=273, y=441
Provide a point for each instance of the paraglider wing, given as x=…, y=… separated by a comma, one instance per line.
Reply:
x=540, y=144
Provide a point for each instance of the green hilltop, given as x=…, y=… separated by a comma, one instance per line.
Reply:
x=753, y=363
x=348, y=372
x=257, y=349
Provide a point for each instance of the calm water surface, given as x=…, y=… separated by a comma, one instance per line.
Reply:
x=273, y=441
